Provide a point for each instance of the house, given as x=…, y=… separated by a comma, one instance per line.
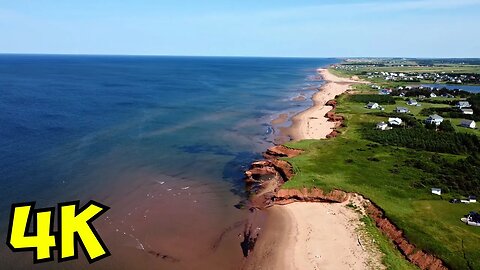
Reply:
x=467, y=111
x=372, y=105
x=401, y=110
x=395, y=121
x=468, y=123
x=463, y=104
x=412, y=102
x=402, y=94
x=472, y=199
x=433, y=95
x=437, y=191
x=421, y=97
x=382, y=126
x=434, y=119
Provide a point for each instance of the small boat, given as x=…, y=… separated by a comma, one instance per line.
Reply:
x=472, y=219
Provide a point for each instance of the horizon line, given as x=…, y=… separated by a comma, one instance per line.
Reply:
x=238, y=56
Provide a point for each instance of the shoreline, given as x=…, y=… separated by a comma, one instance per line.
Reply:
x=312, y=123
x=310, y=235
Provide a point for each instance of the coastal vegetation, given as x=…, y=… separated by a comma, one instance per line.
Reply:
x=397, y=169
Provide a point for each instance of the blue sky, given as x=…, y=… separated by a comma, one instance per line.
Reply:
x=305, y=28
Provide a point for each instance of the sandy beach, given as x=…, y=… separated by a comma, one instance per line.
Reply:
x=312, y=123
x=315, y=235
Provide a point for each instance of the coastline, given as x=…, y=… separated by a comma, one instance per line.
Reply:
x=312, y=123
x=310, y=235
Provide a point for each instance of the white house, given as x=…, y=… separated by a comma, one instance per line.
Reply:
x=372, y=105
x=463, y=104
x=433, y=95
x=401, y=110
x=468, y=123
x=395, y=121
x=472, y=199
x=437, y=191
x=412, y=102
x=382, y=126
x=434, y=119
x=467, y=111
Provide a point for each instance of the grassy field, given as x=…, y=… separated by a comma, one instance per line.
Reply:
x=384, y=175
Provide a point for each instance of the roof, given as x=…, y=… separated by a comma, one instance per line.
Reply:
x=463, y=103
x=372, y=103
x=467, y=110
x=401, y=108
x=467, y=122
x=435, y=117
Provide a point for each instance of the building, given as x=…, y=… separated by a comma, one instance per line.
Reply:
x=467, y=111
x=395, y=121
x=372, y=105
x=437, y=191
x=468, y=123
x=401, y=110
x=382, y=126
x=463, y=104
x=434, y=119
x=433, y=95
x=472, y=199
x=412, y=102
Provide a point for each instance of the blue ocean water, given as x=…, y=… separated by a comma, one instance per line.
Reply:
x=469, y=88
x=74, y=127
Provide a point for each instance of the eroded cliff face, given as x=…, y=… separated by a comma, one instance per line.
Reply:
x=412, y=253
x=265, y=177
x=286, y=196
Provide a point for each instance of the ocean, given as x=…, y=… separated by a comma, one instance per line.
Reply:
x=162, y=141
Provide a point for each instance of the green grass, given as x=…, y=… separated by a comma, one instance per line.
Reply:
x=383, y=174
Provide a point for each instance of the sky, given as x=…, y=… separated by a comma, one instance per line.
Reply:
x=287, y=28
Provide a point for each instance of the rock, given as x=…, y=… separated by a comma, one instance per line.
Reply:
x=279, y=151
x=332, y=103
x=333, y=134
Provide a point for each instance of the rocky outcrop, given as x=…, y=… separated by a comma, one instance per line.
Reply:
x=332, y=103
x=265, y=177
x=279, y=151
x=332, y=117
x=418, y=257
x=286, y=196
x=333, y=134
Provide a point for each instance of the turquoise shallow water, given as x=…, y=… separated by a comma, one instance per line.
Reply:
x=87, y=127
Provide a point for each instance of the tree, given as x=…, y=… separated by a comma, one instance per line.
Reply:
x=446, y=126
